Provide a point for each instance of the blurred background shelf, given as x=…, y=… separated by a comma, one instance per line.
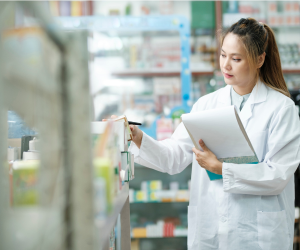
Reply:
x=157, y=72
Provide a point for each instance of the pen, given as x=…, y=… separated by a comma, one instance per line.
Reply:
x=134, y=123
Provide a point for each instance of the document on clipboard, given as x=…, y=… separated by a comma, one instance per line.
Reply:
x=223, y=133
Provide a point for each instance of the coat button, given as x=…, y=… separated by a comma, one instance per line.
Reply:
x=223, y=219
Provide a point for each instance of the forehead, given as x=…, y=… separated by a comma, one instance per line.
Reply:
x=233, y=45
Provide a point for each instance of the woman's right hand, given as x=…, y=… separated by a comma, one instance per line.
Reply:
x=137, y=134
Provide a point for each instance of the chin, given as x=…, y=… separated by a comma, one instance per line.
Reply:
x=228, y=82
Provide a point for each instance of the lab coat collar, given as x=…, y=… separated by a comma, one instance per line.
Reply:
x=258, y=95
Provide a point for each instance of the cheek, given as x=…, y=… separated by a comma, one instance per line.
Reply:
x=241, y=68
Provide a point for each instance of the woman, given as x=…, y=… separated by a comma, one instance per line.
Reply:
x=253, y=206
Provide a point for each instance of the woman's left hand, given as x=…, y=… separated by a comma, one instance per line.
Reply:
x=207, y=159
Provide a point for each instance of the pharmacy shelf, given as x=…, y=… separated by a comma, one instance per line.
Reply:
x=156, y=72
x=104, y=230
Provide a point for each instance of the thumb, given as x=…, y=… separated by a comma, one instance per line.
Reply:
x=203, y=146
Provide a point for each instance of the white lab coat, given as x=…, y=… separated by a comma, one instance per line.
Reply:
x=252, y=208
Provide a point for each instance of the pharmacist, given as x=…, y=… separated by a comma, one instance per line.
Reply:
x=253, y=206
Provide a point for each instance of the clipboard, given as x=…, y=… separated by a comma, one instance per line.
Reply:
x=221, y=126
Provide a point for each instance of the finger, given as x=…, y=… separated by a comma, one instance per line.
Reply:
x=104, y=120
x=203, y=146
x=132, y=127
x=196, y=151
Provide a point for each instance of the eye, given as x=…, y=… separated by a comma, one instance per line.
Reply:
x=236, y=60
x=223, y=55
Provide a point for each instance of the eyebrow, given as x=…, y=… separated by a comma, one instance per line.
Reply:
x=234, y=54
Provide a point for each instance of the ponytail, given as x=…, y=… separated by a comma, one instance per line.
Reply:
x=271, y=72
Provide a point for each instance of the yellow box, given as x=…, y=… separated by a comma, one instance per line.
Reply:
x=139, y=232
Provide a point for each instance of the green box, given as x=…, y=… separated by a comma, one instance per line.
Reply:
x=203, y=15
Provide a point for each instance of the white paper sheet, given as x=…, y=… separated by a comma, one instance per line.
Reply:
x=220, y=131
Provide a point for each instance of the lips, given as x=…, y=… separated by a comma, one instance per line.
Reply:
x=227, y=75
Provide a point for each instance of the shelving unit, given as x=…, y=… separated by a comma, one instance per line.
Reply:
x=52, y=95
x=143, y=213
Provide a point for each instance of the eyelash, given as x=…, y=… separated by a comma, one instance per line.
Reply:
x=236, y=60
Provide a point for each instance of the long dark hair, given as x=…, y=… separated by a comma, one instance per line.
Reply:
x=257, y=39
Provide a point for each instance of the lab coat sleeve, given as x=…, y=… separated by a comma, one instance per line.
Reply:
x=170, y=156
x=281, y=161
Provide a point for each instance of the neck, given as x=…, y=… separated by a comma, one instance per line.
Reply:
x=244, y=90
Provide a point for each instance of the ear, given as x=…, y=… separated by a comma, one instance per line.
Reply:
x=261, y=60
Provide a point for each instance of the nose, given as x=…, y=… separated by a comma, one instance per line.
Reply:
x=226, y=64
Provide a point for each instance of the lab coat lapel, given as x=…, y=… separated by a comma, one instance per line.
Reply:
x=258, y=94
x=224, y=98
